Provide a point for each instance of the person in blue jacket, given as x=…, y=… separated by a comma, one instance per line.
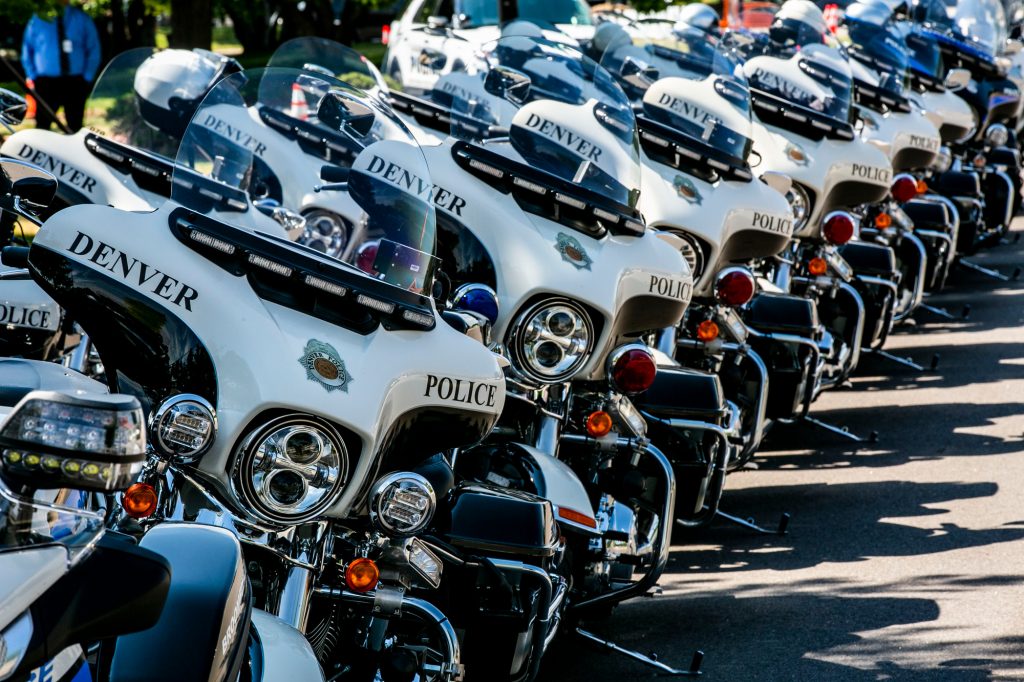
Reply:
x=60, y=53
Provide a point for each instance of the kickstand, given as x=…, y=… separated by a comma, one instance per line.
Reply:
x=749, y=523
x=965, y=312
x=988, y=272
x=842, y=431
x=652, y=660
x=906, y=362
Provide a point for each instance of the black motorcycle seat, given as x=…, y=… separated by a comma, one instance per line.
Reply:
x=19, y=377
x=928, y=214
x=203, y=630
x=680, y=393
x=870, y=259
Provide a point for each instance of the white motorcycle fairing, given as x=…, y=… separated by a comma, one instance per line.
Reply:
x=256, y=355
x=732, y=220
x=837, y=173
x=639, y=283
x=954, y=117
x=84, y=176
x=24, y=305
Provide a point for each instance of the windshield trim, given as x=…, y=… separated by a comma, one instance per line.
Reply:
x=549, y=196
x=781, y=112
x=304, y=280
x=691, y=154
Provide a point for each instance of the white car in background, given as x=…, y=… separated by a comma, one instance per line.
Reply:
x=433, y=37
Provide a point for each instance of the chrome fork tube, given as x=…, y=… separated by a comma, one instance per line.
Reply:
x=295, y=598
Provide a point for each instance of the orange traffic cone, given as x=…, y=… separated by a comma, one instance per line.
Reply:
x=299, y=109
x=30, y=102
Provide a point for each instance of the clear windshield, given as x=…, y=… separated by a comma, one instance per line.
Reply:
x=925, y=54
x=144, y=98
x=678, y=76
x=816, y=78
x=327, y=57
x=260, y=135
x=981, y=23
x=52, y=517
x=878, y=42
x=549, y=106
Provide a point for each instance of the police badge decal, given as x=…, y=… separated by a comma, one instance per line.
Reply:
x=572, y=251
x=324, y=366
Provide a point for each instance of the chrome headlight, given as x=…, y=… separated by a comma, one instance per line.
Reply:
x=997, y=135
x=692, y=253
x=551, y=340
x=291, y=469
x=800, y=204
x=402, y=503
x=183, y=427
x=943, y=160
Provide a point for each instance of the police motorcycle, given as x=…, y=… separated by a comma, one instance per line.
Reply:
x=572, y=281
x=31, y=321
x=809, y=326
x=175, y=606
x=986, y=169
x=891, y=121
x=135, y=116
x=124, y=157
x=312, y=436
x=693, y=113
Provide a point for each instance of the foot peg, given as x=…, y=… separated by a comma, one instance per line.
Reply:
x=843, y=431
x=906, y=362
x=941, y=312
x=988, y=272
x=651, y=660
x=752, y=525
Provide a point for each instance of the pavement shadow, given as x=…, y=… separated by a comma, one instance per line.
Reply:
x=841, y=523
x=758, y=648
x=940, y=430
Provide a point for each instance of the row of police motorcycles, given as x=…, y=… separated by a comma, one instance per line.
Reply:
x=309, y=377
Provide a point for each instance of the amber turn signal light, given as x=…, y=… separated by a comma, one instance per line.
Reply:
x=707, y=331
x=817, y=266
x=599, y=424
x=139, y=500
x=883, y=220
x=362, y=574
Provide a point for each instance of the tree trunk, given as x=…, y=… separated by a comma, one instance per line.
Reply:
x=251, y=23
x=191, y=23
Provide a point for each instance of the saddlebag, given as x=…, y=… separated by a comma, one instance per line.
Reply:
x=683, y=409
x=873, y=262
x=203, y=630
x=789, y=360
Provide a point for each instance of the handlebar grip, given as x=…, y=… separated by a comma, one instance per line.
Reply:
x=15, y=256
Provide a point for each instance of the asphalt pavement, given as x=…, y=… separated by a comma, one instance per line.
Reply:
x=904, y=559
